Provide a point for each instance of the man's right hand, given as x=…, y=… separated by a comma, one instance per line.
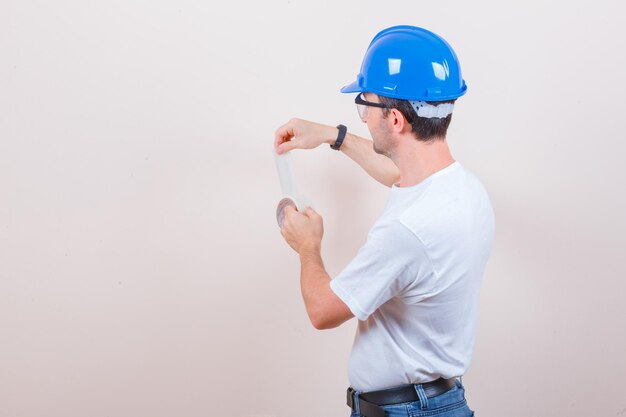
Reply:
x=302, y=134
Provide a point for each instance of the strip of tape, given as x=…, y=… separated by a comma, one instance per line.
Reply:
x=288, y=187
x=285, y=173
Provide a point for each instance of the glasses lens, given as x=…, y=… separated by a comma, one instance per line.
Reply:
x=362, y=109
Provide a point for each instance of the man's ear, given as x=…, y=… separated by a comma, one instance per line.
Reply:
x=397, y=121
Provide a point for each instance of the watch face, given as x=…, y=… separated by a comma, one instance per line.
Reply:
x=280, y=210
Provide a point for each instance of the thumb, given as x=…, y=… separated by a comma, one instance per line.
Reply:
x=290, y=208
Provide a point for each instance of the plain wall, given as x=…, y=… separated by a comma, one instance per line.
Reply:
x=141, y=269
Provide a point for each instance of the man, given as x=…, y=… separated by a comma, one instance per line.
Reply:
x=414, y=285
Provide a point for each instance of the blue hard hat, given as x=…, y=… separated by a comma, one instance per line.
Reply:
x=410, y=63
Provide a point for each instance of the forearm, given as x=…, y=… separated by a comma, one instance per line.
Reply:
x=378, y=166
x=313, y=278
x=324, y=308
x=304, y=134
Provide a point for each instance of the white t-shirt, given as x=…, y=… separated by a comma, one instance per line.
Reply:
x=415, y=284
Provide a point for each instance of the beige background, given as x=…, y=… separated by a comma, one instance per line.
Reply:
x=141, y=270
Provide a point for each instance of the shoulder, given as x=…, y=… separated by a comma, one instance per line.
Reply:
x=448, y=206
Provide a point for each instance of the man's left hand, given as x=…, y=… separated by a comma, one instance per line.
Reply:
x=302, y=230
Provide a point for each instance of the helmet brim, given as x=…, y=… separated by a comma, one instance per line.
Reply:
x=353, y=87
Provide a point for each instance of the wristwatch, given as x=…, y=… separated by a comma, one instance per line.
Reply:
x=340, y=137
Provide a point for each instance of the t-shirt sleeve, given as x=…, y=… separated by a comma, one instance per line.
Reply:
x=390, y=262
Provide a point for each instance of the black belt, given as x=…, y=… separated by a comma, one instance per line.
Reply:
x=370, y=402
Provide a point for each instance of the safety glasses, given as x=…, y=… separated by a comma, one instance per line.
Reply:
x=362, y=105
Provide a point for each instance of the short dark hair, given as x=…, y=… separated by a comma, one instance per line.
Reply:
x=425, y=129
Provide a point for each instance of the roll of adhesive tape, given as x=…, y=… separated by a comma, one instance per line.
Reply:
x=280, y=210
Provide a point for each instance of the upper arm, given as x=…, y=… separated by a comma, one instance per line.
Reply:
x=391, y=263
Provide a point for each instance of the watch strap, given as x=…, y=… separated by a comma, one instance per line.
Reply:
x=340, y=137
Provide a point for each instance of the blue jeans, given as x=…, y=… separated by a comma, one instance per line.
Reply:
x=449, y=404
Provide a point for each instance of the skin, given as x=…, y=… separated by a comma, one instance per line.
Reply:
x=393, y=156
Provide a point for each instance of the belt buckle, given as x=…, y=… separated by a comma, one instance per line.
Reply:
x=350, y=399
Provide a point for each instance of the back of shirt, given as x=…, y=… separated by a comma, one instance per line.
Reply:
x=414, y=285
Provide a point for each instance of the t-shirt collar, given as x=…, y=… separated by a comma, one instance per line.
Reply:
x=397, y=189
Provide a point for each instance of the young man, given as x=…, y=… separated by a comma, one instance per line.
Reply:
x=414, y=285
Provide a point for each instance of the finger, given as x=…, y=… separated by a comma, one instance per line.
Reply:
x=286, y=147
x=284, y=134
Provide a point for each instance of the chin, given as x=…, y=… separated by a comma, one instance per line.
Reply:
x=380, y=151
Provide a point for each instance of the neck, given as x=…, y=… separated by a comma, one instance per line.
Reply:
x=419, y=160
